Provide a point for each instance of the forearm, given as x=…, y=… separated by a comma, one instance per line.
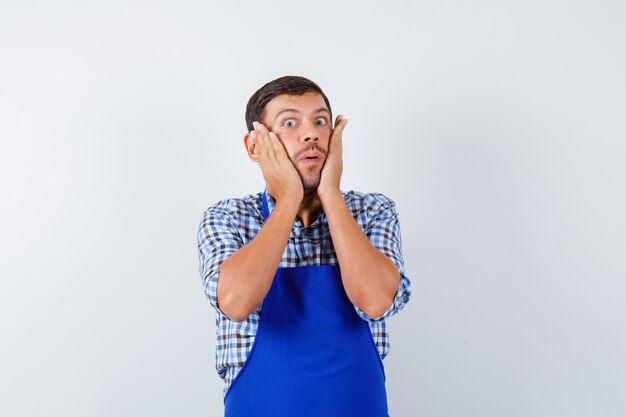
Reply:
x=370, y=278
x=246, y=276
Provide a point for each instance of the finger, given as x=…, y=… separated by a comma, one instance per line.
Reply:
x=262, y=134
x=266, y=149
x=340, y=123
x=258, y=145
x=337, y=133
x=279, y=149
x=264, y=158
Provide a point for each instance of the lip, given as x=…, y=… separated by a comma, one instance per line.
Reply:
x=312, y=158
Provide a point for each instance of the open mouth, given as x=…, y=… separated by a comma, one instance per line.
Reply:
x=311, y=156
x=311, y=159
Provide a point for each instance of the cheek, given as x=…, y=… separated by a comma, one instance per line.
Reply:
x=281, y=135
x=325, y=138
x=286, y=140
x=281, y=132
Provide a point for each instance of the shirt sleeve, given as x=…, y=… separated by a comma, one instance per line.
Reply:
x=383, y=231
x=218, y=239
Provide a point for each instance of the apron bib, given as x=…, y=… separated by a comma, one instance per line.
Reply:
x=312, y=356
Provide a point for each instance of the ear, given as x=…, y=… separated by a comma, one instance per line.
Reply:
x=250, y=148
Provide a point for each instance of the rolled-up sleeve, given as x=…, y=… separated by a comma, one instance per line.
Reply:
x=218, y=239
x=383, y=231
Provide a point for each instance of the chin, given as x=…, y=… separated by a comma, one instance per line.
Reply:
x=310, y=186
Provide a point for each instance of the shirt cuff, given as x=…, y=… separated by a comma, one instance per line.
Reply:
x=399, y=302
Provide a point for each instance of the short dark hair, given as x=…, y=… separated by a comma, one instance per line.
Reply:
x=290, y=84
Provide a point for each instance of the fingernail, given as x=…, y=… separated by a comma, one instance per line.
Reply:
x=255, y=123
x=253, y=134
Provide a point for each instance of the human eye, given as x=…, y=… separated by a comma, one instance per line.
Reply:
x=289, y=123
x=321, y=121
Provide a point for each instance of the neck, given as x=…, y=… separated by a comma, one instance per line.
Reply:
x=310, y=208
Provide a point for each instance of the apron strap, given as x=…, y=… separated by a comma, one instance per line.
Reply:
x=266, y=210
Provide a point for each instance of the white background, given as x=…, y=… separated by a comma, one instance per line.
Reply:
x=498, y=127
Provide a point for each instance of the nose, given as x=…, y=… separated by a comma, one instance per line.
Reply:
x=309, y=133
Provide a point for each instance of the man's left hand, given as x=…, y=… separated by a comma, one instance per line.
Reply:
x=333, y=166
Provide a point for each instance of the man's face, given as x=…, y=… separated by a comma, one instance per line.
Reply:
x=303, y=125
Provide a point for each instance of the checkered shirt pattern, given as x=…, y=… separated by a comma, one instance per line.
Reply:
x=230, y=224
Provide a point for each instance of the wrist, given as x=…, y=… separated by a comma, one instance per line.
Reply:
x=288, y=204
x=328, y=196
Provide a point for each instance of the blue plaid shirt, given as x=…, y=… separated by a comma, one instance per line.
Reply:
x=230, y=224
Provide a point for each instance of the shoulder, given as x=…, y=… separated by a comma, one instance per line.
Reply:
x=368, y=202
x=235, y=209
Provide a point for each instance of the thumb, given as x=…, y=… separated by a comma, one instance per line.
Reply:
x=340, y=124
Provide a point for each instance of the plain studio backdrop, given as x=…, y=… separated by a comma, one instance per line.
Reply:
x=497, y=127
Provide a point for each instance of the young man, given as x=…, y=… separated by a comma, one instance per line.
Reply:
x=302, y=275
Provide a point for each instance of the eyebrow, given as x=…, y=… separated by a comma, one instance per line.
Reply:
x=320, y=110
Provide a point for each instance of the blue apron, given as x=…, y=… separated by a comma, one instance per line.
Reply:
x=312, y=356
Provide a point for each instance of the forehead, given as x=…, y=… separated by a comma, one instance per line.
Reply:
x=306, y=103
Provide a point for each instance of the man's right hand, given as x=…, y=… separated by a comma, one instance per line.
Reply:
x=281, y=177
x=246, y=277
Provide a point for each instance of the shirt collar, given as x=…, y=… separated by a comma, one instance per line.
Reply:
x=271, y=203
